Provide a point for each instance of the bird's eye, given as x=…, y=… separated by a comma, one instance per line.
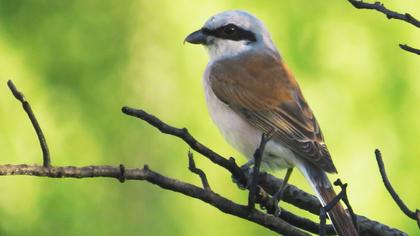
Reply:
x=230, y=29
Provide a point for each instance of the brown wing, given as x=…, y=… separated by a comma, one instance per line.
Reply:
x=263, y=91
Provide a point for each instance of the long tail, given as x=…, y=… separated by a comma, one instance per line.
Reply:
x=320, y=183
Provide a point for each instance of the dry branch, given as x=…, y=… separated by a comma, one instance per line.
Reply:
x=287, y=223
x=274, y=223
x=415, y=215
x=390, y=14
x=268, y=183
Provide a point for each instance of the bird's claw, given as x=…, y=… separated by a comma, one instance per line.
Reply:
x=248, y=173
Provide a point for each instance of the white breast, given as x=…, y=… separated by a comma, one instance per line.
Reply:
x=242, y=135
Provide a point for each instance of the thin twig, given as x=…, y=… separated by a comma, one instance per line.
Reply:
x=378, y=6
x=325, y=209
x=347, y=203
x=19, y=96
x=410, y=49
x=415, y=215
x=199, y=172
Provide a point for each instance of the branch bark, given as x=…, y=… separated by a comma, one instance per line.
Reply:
x=287, y=223
x=390, y=14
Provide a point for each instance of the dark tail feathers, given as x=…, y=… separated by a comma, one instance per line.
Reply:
x=319, y=181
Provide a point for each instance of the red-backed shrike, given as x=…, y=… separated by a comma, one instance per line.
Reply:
x=250, y=91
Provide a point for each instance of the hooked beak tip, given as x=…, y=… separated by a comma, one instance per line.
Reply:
x=196, y=37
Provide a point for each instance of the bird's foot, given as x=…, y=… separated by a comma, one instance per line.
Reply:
x=248, y=170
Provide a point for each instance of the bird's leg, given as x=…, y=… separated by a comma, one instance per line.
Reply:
x=247, y=166
x=279, y=194
x=257, y=163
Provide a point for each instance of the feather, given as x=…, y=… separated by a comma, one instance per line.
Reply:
x=259, y=87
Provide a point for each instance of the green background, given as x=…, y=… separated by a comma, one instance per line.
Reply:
x=79, y=62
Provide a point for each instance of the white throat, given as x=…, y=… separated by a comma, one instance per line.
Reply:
x=226, y=48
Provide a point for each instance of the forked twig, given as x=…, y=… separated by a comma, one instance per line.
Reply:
x=199, y=172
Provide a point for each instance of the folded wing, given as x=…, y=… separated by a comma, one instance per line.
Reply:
x=262, y=90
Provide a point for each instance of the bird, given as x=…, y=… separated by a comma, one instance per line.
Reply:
x=250, y=92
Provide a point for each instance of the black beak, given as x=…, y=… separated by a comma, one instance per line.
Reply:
x=197, y=37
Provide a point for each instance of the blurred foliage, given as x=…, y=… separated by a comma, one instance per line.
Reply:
x=79, y=61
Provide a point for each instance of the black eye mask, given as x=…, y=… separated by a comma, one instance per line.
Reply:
x=231, y=32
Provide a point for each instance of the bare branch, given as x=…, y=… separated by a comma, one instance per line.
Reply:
x=183, y=134
x=410, y=49
x=199, y=172
x=273, y=223
x=292, y=194
x=287, y=223
x=267, y=202
x=268, y=183
x=378, y=6
x=19, y=96
x=346, y=201
x=415, y=215
x=305, y=201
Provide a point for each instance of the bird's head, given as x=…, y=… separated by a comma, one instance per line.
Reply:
x=230, y=33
